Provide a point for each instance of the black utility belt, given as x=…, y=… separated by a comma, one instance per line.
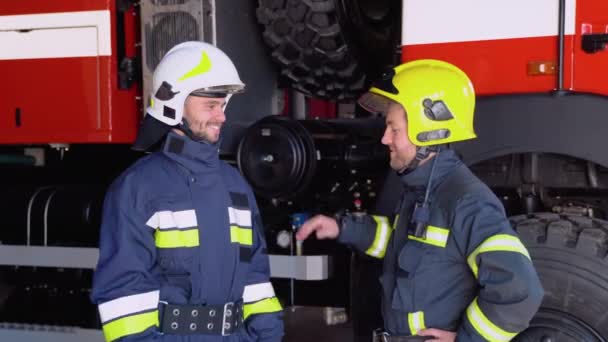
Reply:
x=184, y=319
x=382, y=336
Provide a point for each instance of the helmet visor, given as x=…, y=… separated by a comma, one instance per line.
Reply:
x=219, y=90
x=374, y=103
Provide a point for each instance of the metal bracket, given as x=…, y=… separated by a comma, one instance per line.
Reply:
x=47, y=333
x=310, y=267
x=594, y=42
x=127, y=66
x=40, y=256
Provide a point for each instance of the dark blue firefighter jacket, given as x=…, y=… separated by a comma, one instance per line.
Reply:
x=181, y=226
x=469, y=274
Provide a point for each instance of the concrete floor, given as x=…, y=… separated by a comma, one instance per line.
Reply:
x=306, y=324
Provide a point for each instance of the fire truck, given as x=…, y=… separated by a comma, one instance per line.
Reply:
x=76, y=79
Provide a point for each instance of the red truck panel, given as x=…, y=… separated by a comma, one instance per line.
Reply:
x=60, y=81
x=590, y=69
x=508, y=47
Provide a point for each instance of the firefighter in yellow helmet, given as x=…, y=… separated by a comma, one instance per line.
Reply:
x=454, y=269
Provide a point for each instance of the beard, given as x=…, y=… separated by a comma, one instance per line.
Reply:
x=201, y=136
x=199, y=132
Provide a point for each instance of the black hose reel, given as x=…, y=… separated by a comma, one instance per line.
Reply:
x=282, y=158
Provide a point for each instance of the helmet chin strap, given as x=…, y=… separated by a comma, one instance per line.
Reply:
x=422, y=152
x=422, y=212
x=184, y=126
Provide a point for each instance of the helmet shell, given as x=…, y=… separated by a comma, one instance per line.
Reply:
x=438, y=98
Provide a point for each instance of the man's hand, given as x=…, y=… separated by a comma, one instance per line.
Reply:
x=324, y=226
x=439, y=335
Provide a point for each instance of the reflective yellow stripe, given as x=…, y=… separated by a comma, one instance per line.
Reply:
x=415, y=320
x=264, y=306
x=176, y=238
x=496, y=243
x=203, y=66
x=435, y=236
x=395, y=222
x=130, y=325
x=484, y=326
x=244, y=236
x=383, y=234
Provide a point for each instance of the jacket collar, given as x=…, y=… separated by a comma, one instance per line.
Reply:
x=446, y=161
x=194, y=156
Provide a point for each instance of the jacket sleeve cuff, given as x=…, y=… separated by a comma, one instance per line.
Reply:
x=353, y=231
x=465, y=333
x=476, y=326
x=267, y=327
x=368, y=234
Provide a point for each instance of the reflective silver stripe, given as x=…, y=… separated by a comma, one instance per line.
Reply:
x=415, y=320
x=435, y=236
x=383, y=233
x=484, y=326
x=239, y=217
x=128, y=305
x=257, y=292
x=496, y=243
x=153, y=221
x=173, y=219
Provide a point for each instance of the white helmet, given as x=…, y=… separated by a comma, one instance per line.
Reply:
x=189, y=68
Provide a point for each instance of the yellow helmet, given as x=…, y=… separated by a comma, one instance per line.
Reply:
x=438, y=98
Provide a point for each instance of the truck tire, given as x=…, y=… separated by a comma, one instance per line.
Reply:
x=309, y=43
x=570, y=256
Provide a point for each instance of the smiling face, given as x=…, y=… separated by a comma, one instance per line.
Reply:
x=205, y=116
x=395, y=137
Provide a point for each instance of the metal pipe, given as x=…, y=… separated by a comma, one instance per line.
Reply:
x=592, y=175
x=46, y=216
x=299, y=105
x=561, y=35
x=534, y=168
x=29, y=211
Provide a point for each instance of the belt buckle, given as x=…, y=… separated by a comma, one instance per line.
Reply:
x=228, y=312
x=380, y=335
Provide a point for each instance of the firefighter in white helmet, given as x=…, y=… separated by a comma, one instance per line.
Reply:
x=182, y=250
x=188, y=72
x=454, y=269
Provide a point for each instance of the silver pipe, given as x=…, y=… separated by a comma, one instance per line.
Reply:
x=560, y=55
x=46, y=215
x=29, y=212
x=592, y=174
